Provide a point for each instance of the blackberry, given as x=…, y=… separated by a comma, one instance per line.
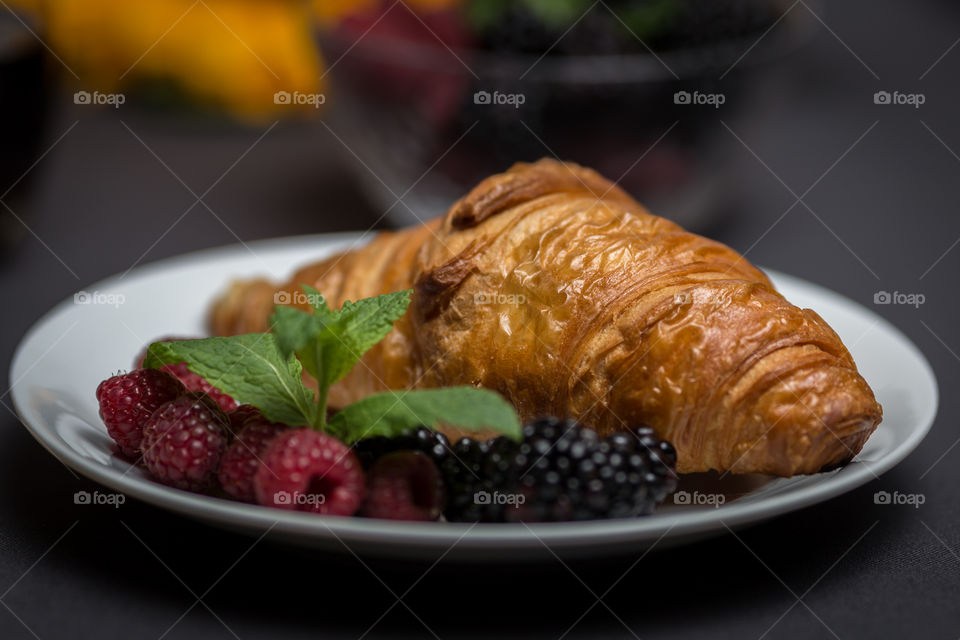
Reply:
x=560, y=471
x=470, y=473
x=431, y=443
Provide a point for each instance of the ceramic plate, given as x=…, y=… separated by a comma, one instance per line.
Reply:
x=63, y=357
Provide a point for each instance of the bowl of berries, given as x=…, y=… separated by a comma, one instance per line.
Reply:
x=428, y=98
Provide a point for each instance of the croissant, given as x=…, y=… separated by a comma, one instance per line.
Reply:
x=551, y=285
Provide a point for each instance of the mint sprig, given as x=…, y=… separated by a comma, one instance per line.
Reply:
x=266, y=370
x=329, y=343
x=250, y=368
x=385, y=414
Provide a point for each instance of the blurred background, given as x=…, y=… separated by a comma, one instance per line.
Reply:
x=820, y=139
x=411, y=102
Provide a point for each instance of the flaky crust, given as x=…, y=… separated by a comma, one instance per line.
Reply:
x=552, y=286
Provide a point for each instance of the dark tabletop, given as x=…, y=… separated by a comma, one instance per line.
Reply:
x=883, y=202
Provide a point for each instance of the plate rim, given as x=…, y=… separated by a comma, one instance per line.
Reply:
x=482, y=536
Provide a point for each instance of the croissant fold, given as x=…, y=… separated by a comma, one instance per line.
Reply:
x=551, y=285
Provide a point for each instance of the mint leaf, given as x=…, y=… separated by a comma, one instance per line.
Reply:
x=393, y=412
x=318, y=301
x=250, y=368
x=366, y=322
x=330, y=342
x=297, y=330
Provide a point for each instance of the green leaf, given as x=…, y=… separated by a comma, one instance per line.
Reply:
x=394, y=412
x=364, y=323
x=559, y=14
x=652, y=19
x=295, y=330
x=483, y=14
x=318, y=301
x=330, y=343
x=250, y=367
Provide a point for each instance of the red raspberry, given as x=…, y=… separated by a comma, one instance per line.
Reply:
x=242, y=459
x=184, y=440
x=191, y=380
x=306, y=470
x=128, y=400
x=240, y=415
x=404, y=485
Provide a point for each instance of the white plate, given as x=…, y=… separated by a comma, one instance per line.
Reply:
x=63, y=357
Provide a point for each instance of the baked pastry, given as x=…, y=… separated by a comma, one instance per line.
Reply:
x=551, y=285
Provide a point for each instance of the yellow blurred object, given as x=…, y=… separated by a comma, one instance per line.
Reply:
x=233, y=54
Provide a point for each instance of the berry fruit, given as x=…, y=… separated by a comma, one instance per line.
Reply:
x=240, y=415
x=404, y=485
x=191, y=380
x=560, y=471
x=431, y=443
x=194, y=382
x=127, y=401
x=571, y=474
x=242, y=459
x=305, y=470
x=473, y=471
x=184, y=440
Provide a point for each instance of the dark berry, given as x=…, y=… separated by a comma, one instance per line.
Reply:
x=404, y=485
x=243, y=456
x=473, y=482
x=240, y=415
x=560, y=471
x=184, y=440
x=127, y=401
x=431, y=443
x=305, y=470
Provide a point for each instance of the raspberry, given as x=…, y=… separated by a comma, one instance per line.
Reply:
x=128, y=400
x=306, y=470
x=404, y=485
x=191, y=380
x=184, y=440
x=242, y=459
x=194, y=382
x=240, y=415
